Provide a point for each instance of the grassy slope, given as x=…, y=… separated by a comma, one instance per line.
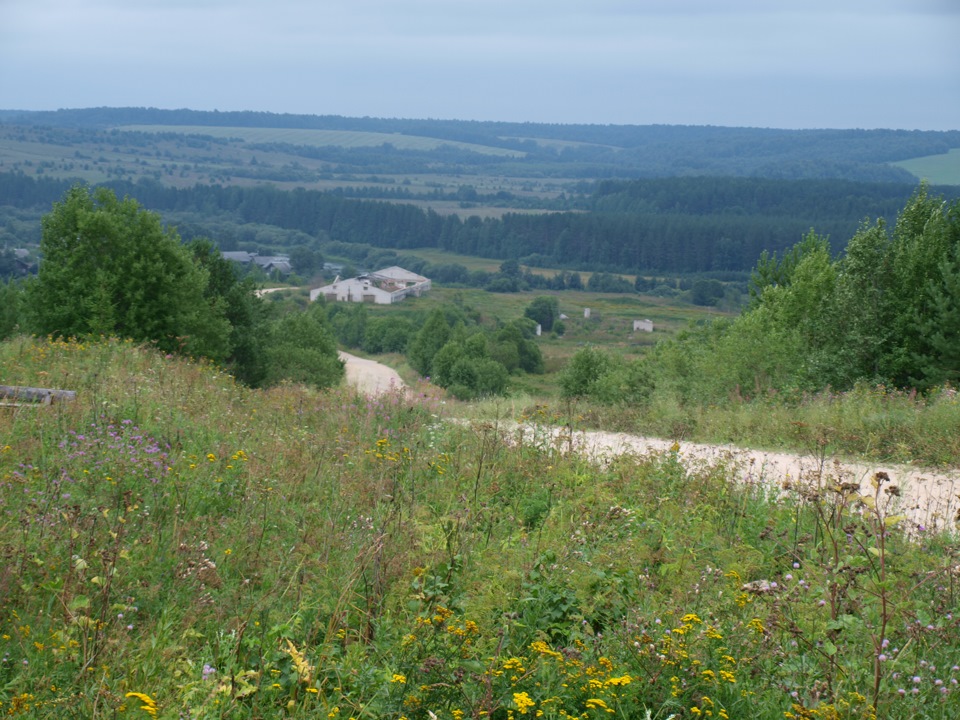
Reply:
x=936, y=169
x=286, y=553
x=322, y=138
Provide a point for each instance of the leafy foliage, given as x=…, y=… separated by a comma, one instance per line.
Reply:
x=110, y=268
x=302, y=349
x=544, y=310
x=604, y=378
x=881, y=313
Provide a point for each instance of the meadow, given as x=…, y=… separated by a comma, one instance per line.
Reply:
x=175, y=157
x=321, y=138
x=941, y=169
x=178, y=546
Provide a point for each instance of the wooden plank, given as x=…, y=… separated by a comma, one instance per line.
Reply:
x=36, y=395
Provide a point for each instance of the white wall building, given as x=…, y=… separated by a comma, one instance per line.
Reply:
x=383, y=287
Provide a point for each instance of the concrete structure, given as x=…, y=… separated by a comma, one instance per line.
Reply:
x=383, y=287
x=643, y=325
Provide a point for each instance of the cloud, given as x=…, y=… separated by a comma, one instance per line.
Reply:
x=742, y=61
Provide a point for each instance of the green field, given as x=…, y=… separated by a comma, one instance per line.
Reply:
x=936, y=169
x=322, y=138
x=230, y=156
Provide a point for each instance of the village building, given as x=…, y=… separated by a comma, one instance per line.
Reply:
x=382, y=287
x=267, y=263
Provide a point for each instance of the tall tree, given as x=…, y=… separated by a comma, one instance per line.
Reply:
x=302, y=349
x=110, y=267
x=242, y=307
x=544, y=310
x=427, y=343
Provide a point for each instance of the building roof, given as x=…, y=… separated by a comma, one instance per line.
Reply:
x=399, y=274
x=267, y=260
x=237, y=256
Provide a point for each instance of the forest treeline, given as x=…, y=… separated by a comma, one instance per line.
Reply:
x=668, y=225
x=885, y=313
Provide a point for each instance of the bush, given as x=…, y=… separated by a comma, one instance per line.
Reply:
x=302, y=350
x=581, y=375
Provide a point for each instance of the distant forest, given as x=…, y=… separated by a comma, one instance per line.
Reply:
x=667, y=225
x=555, y=150
x=609, y=198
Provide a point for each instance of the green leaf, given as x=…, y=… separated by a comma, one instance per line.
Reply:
x=80, y=601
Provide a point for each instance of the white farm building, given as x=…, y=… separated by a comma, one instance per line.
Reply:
x=383, y=287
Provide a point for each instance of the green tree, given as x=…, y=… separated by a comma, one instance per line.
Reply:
x=706, y=292
x=774, y=271
x=431, y=337
x=543, y=310
x=305, y=261
x=387, y=335
x=110, y=267
x=942, y=328
x=519, y=333
x=443, y=363
x=302, y=349
x=510, y=268
x=244, y=310
x=924, y=263
x=580, y=376
x=10, y=298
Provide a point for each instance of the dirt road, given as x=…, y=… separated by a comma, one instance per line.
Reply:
x=369, y=376
x=928, y=498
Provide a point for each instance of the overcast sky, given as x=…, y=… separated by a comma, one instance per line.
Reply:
x=758, y=63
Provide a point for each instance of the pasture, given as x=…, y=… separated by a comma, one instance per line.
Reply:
x=936, y=169
x=322, y=138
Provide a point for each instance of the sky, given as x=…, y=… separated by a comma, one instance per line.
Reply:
x=753, y=63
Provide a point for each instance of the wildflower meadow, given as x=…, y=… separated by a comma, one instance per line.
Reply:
x=176, y=545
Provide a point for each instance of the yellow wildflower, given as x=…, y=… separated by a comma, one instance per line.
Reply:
x=304, y=669
x=149, y=704
x=523, y=702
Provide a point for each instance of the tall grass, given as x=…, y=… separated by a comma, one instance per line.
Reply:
x=870, y=422
x=175, y=545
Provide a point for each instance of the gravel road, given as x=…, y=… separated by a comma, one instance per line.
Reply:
x=928, y=498
x=369, y=376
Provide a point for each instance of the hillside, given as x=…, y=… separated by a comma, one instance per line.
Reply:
x=178, y=546
x=531, y=149
x=655, y=200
